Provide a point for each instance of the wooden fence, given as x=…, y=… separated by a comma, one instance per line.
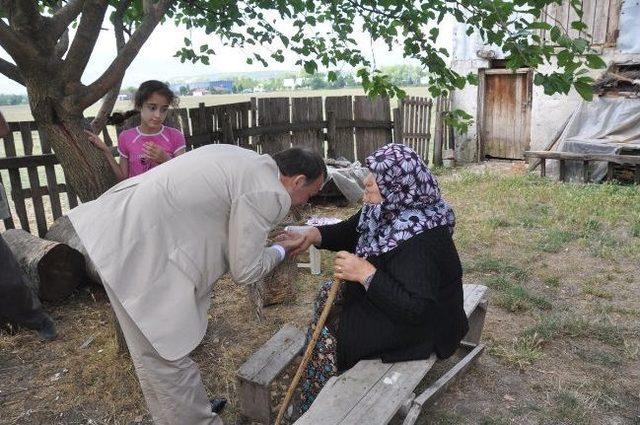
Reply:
x=336, y=126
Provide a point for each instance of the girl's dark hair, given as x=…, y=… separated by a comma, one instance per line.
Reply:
x=150, y=87
x=143, y=93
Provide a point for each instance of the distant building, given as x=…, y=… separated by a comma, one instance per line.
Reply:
x=293, y=83
x=124, y=96
x=218, y=86
x=199, y=92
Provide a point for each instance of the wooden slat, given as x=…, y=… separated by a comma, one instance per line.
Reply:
x=506, y=71
x=367, y=139
x=585, y=171
x=16, y=182
x=71, y=193
x=34, y=182
x=341, y=107
x=52, y=183
x=428, y=398
x=384, y=398
x=266, y=363
x=614, y=21
x=601, y=22
x=304, y=110
x=274, y=110
x=425, y=153
x=4, y=202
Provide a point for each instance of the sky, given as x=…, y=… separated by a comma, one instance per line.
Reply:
x=155, y=60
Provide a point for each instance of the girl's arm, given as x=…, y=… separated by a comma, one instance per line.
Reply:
x=121, y=170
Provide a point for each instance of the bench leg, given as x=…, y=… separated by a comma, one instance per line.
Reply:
x=476, y=324
x=435, y=390
x=314, y=260
x=255, y=400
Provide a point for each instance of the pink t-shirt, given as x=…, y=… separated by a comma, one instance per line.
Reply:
x=131, y=141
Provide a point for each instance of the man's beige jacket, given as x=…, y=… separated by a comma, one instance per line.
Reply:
x=162, y=239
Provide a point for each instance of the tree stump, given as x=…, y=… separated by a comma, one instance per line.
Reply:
x=54, y=269
x=62, y=231
x=277, y=287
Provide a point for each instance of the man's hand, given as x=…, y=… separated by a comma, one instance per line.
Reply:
x=291, y=244
x=155, y=153
x=310, y=236
x=351, y=267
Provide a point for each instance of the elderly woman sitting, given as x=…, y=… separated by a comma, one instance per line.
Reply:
x=403, y=298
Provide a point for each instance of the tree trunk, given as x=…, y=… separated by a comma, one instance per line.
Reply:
x=60, y=120
x=54, y=269
x=62, y=231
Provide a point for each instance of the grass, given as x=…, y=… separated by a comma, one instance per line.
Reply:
x=522, y=351
x=561, y=262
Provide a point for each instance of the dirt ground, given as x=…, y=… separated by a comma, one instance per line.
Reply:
x=562, y=329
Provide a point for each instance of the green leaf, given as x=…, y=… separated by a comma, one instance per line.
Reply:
x=310, y=67
x=539, y=26
x=595, y=62
x=578, y=25
x=187, y=42
x=585, y=90
x=204, y=48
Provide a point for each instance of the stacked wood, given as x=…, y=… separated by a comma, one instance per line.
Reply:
x=277, y=287
x=53, y=269
x=62, y=231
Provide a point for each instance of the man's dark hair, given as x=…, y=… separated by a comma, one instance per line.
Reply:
x=294, y=161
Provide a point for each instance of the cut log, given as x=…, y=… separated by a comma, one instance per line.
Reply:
x=277, y=287
x=54, y=269
x=62, y=231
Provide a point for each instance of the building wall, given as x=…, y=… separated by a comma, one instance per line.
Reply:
x=548, y=113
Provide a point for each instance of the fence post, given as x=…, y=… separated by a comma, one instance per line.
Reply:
x=227, y=129
x=331, y=134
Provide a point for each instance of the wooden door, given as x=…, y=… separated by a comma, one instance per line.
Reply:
x=504, y=112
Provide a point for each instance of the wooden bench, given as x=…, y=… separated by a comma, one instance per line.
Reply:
x=371, y=392
x=585, y=159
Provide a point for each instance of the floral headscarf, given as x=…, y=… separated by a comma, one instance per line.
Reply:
x=411, y=201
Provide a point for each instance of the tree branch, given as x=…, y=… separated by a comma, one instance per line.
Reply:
x=15, y=45
x=116, y=70
x=10, y=71
x=23, y=15
x=63, y=45
x=61, y=20
x=109, y=100
x=85, y=39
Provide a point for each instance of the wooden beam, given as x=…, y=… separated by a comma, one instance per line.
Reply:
x=570, y=156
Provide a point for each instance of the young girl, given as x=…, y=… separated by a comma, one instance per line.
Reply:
x=151, y=143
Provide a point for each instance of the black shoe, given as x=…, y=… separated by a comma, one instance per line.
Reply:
x=47, y=331
x=217, y=404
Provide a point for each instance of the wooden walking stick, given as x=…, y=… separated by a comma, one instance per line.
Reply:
x=307, y=354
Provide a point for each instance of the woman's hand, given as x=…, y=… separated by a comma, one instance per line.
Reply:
x=351, y=267
x=97, y=142
x=310, y=236
x=155, y=153
x=292, y=244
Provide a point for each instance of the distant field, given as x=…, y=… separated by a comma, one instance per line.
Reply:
x=23, y=113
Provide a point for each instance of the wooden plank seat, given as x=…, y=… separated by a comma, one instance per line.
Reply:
x=373, y=392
